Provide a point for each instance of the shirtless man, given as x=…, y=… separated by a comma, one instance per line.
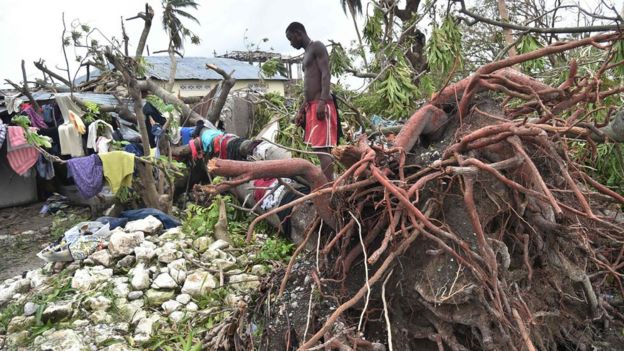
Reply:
x=318, y=114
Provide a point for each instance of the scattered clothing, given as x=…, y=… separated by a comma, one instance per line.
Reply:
x=21, y=155
x=321, y=133
x=75, y=119
x=157, y=132
x=70, y=140
x=3, y=132
x=69, y=136
x=77, y=243
x=150, y=110
x=118, y=167
x=272, y=199
x=233, y=149
x=102, y=144
x=87, y=173
x=224, y=154
x=12, y=103
x=185, y=134
x=196, y=152
x=36, y=120
x=95, y=130
x=167, y=221
x=114, y=222
x=134, y=148
x=45, y=168
x=49, y=115
x=263, y=184
x=207, y=137
x=248, y=146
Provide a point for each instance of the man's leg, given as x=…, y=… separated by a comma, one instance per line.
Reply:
x=327, y=163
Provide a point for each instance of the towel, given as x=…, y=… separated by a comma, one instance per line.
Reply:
x=20, y=154
x=118, y=167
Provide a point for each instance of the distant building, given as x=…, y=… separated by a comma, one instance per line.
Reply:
x=192, y=78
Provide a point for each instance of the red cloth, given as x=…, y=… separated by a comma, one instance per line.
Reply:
x=262, y=183
x=224, y=142
x=321, y=133
x=20, y=154
x=216, y=145
x=194, y=153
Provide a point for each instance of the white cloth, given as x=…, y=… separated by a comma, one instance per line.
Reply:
x=93, y=133
x=102, y=144
x=13, y=103
x=70, y=139
x=274, y=197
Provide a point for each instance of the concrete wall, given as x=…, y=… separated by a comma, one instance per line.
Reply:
x=202, y=87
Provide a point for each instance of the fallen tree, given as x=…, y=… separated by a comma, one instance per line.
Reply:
x=501, y=239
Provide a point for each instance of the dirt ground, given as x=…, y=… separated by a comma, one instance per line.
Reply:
x=15, y=220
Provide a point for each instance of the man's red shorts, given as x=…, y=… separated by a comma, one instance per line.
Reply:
x=321, y=133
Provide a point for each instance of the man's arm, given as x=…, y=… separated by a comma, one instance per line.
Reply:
x=322, y=62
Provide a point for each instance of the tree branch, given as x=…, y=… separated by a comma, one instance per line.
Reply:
x=479, y=18
x=226, y=85
x=42, y=67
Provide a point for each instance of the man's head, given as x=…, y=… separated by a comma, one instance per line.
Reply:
x=296, y=34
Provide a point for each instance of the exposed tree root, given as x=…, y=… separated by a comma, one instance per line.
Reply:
x=497, y=245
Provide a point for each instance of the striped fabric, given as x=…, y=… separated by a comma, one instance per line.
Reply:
x=20, y=154
x=3, y=131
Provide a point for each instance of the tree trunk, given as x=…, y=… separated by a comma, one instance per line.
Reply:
x=147, y=16
x=172, y=71
x=291, y=168
x=359, y=36
x=226, y=85
x=149, y=193
x=502, y=10
x=169, y=98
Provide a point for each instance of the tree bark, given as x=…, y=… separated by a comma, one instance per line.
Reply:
x=290, y=168
x=504, y=15
x=42, y=67
x=147, y=16
x=172, y=70
x=226, y=85
x=150, y=195
x=187, y=112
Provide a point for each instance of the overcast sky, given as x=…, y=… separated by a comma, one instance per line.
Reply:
x=31, y=29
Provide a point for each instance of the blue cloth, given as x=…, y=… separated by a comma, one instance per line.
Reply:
x=185, y=133
x=157, y=132
x=207, y=137
x=45, y=168
x=167, y=221
x=48, y=114
x=134, y=148
x=113, y=221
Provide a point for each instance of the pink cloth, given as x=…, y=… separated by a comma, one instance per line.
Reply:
x=20, y=154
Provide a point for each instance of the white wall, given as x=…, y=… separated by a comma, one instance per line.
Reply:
x=202, y=87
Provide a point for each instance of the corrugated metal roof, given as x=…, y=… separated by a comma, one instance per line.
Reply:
x=100, y=99
x=195, y=68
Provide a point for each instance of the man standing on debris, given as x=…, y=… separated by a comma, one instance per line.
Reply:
x=318, y=115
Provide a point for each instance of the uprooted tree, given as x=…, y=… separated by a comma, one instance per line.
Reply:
x=481, y=225
x=502, y=240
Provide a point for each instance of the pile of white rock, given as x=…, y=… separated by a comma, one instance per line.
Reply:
x=116, y=299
